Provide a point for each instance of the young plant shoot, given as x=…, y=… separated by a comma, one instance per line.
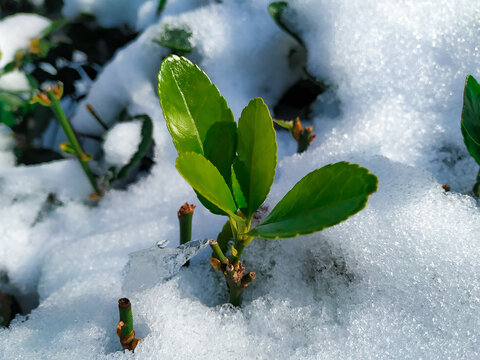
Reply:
x=304, y=136
x=50, y=97
x=470, y=123
x=125, y=326
x=232, y=168
x=185, y=217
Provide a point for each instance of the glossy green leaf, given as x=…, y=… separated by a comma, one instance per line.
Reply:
x=238, y=193
x=257, y=154
x=146, y=142
x=176, y=38
x=277, y=10
x=284, y=124
x=196, y=113
x=470, y=123
x=321, y=199
x=206, y=180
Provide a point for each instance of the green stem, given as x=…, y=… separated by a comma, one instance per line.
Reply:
x=67, y=129
x=218, y=252
x=125, y=311
x=125, y=326
x=236, y=291
x=476, y=187
x=92, y=111
x=185, y=216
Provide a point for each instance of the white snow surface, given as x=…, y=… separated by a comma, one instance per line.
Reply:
x=122, y=142
x=399, y=280
x=16, y=31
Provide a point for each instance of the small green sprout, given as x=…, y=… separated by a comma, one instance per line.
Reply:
x=304, y=136
x=125, y=326
x=232, y=167
x=185, y=217
x=50, y=97
x=470, y=123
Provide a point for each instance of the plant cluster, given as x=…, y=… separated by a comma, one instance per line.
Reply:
x=232, y=167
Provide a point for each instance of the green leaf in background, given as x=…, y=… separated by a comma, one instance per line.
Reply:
x=321, y=199
x=470, y=123
x=206, y=180
x=145, y=144
x=9, y=104
x=257, y=154
x=161, y=6
x=176, y=38
x=277, y=12
x=34, y=155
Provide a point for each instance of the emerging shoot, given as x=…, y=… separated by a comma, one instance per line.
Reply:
x=232, y=167
x=185, y=216
x=50, y=97
x=125, y=326
x=303, y=136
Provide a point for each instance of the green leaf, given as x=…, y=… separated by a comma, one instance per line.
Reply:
x=176, y=38
x=277, y=10
x=224, y=237
x=206, y=180
x=321, y=199
x=196, y=113
x=32, y=156
x=284, y=124
x=219, y=147
x=470, y=123
x=237, y=192
x=161, y=6
x=145, y=144
x=257, y=154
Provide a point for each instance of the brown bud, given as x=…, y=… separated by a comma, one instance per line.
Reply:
x=297, y=129
x=186, y=209
x=216, y=264
x=248, y=278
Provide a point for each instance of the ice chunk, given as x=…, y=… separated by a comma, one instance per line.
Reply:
x=148, y=267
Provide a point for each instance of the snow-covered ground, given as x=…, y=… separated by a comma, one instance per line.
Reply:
x=401, y=279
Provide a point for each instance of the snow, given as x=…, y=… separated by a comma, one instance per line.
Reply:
x=398, y=280
x=16, y=31
x=122, y=142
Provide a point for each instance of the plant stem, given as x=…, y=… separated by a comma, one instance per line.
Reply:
x=67, y=129
x=233, y=271
x=92, y=111
x=218, y=252
x=236, y=292
x=125, y=326
x=185, y=216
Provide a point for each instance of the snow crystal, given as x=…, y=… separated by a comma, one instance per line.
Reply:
x=122, y=142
